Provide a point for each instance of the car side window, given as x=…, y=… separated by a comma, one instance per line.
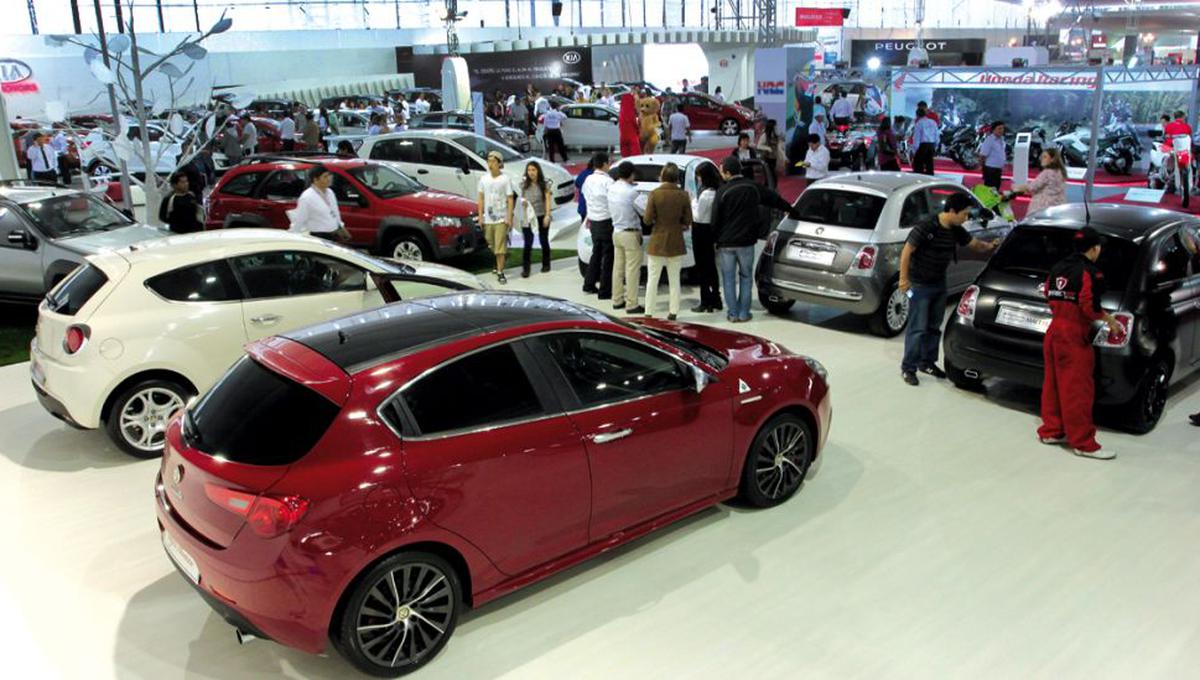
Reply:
x=1174, y=262
x=915, y=209
x=10, y=221
x=436, y=152
x=345, y=191
x=288, y=272
x=604, y=369
x=205, y=282
x=483, y=389
x=401, y=150
x=243, y=184
x=284, y=185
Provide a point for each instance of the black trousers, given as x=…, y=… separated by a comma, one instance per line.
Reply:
x=50, y=177
x=992, y=177
x=892, y=165
x=553, y=140
x=64, y=169
x=543, y=235
x=600, y=267
x=704, y=246
x=289, y=145
x=923, y=158
x=678, y=146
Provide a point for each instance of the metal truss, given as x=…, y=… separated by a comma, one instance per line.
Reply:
x=1067, y=75
x=768, y=18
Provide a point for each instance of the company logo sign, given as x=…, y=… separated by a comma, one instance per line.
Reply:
x=905, y=46
x=1034, y=78
x=820, y=16
x=14, y=71
x=771, y=87
x=572, y=57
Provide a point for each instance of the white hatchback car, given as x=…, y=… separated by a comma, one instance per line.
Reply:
x=126, y=339
x=589, y=126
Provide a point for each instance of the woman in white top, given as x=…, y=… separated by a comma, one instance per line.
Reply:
x=704, y=239
x=317, y=211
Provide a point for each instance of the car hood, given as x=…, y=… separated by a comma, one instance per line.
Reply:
x=737, y=347
x=100, y=241
x=431, y=202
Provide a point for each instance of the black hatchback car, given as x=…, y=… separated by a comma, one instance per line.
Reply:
x=1152, y=268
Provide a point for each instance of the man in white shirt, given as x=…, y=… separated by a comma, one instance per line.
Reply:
x=287, y=132
x=421, y=106
x=540, y=104
x=43, y=160
x=249, y=137
x=817, y=127
x=816, y=161
x=626, y=239
x=317, y=210
x=680, y=128
x=496, y=210
x=552, y=137
x=842, y=110
x=599, y=221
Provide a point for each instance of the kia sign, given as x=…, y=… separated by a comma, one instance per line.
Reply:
x=572, y=57
x=815, y=16
x=544, y=68
x=16, y=77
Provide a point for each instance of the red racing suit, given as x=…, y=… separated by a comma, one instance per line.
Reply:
x=1073, y=288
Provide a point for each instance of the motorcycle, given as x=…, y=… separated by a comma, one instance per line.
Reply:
x=963, y=145
x=1117, y=151
x=850, y=147
x=1173, y=169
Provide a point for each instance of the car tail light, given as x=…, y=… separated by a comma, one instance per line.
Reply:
x=865, y=260
x=1107, y=338
x=966, y=306
x=76, y=337
x=268, y=516
x=769, y=248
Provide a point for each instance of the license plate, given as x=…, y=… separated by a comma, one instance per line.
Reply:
x=1023, y=319
x=823, y=258
x=181, y=559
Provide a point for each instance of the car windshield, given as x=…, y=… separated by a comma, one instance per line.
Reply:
x=1032, y=251
x=482, y=146
x=73, y=215
x=838, y=208
x=386, y=182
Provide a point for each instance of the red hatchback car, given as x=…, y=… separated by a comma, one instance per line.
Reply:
x=365, y=480
x=384, y=209
x=705, y=112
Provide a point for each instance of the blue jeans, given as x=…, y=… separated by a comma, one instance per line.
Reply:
x=926, y=307
x=737, y=263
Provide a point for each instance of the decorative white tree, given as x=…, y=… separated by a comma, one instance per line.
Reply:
x=117, y=63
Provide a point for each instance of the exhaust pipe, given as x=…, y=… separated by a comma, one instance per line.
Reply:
x=971, y=373
x=243, y=637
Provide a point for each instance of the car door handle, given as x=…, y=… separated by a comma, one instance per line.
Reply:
x=265, y=319
x=606, y=437
x=422, y=171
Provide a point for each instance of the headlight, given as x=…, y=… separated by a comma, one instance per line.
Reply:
x=817, y=367
x=443, y=221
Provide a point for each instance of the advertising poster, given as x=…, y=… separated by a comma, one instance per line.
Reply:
x=508, y=72
x=801, y=72
x=770, y=77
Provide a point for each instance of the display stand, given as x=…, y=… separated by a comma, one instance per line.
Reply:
x=1020, y=174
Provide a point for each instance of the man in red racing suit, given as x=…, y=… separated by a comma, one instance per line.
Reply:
x=1074, y=288
x=1183, y=159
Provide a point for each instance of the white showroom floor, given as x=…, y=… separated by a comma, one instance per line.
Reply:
x=938, y=540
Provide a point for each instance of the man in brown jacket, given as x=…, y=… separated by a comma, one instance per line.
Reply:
x=311, y=133
x=669, y=210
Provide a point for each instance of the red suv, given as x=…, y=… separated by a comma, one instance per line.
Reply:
x=363, y=481
x=707, y=113
x=384, y=209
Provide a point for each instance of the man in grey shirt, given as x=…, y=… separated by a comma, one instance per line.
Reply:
x=680, y=129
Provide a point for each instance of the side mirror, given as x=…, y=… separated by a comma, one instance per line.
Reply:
x=466, y=166
x=20, y=237
x=702, y=379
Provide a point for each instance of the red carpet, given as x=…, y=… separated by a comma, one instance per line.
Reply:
x=1170, y=202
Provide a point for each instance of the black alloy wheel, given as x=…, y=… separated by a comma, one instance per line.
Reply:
x=778, y=461
x=1147, y=407
x=400, y=615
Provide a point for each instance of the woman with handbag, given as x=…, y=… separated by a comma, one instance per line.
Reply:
x=179, y=209
x=317, y=211
x=536, y=199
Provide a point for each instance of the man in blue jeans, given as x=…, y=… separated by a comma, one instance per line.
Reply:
x=738, y=223
x=927, y=254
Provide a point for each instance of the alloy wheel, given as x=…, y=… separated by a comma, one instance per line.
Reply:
x=407, y=250
x=897, y=310
x=145, y=416
x=781, y=460
x=405, y=615
x=730, y=127
x=1156, y=395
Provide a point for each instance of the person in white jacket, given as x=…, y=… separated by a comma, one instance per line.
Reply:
x=317, y=211
x=816, y=161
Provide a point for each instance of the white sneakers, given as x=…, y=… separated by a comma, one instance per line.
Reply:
x=1053, y=441
x=1098, y=454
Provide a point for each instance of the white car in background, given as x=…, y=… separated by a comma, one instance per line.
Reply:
x=98, y=157
x=589, y=126
x=454, y=161
x=126, y=339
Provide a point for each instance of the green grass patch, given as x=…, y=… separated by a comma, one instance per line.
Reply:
x=16, y=330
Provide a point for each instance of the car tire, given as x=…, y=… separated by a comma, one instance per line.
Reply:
x=777, y=461
x=423, y=620
x=1147, y=406
x=137, y=420
x=408, y=245
x=891, y=318
x=729, y=127
x=961, y=380
x=776, y=307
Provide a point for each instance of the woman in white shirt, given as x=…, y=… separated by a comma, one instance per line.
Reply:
x=704, y=240
x=317, y=211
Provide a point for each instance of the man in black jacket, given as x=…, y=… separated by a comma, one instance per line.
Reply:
x=179, y=209
x=739, y=221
